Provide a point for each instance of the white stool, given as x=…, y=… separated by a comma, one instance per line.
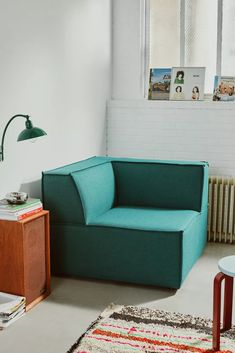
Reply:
x=227, y=267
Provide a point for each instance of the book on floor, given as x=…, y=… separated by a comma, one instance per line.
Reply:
x=12, y=307
x=5, y=322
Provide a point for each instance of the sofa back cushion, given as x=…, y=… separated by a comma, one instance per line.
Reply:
x=161, y=185
x=96, y=187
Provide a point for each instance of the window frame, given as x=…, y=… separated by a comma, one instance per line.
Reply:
x=146, y=36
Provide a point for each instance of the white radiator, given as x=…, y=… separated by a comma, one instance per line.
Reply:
x=221, y=216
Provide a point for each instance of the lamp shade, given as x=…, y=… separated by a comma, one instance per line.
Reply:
x=30, y=132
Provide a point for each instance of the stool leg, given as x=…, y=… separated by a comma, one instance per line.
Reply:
x=216, y=310
x=228, y=303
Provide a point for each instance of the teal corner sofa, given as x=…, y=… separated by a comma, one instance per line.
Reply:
x=131, y=220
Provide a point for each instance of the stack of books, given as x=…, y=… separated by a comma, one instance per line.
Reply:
x=18, y=212
x=12, y=307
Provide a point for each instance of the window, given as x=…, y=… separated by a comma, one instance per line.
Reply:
x=193, y=33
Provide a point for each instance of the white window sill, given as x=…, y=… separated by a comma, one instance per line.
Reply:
x=162, y=104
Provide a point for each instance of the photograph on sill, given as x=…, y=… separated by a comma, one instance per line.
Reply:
x=187, y=83
x=224, y=88
x=159, y=84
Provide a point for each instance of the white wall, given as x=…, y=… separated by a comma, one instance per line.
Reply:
x=161, y=129
x=55, y=65
x=128, y=21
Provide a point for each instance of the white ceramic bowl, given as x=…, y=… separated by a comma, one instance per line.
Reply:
x=17, y=198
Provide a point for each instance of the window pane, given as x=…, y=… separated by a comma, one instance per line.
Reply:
x=228, y=38
x=201, y=37
x=164, y=33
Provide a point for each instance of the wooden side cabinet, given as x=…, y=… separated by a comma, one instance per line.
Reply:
x=25, y=258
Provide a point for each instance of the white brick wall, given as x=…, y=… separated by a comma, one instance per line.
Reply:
x=174, y=130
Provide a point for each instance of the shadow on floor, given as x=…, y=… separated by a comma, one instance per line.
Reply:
x=98, y=294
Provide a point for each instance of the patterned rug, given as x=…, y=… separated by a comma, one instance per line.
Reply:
x=130, y=329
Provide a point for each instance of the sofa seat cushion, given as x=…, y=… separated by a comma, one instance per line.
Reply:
x=148, y=219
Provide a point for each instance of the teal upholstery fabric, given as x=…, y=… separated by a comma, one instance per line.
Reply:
x=61, y=197
x=139, y=221
x=159, y=185
x=194, y=241
x=78, y=166
x=96, y=187
x=60, y=193
x=134, y=256
x=204, y=206
x=146, y=219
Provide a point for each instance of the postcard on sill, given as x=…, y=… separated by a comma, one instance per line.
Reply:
x=224, y=88
x=187, y=83
x=159, y=84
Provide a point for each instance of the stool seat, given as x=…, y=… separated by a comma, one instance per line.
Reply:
x=227, y=265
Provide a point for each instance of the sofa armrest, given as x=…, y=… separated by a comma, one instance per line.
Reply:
x=77, y=192
x=96, y=187
x=61, y=198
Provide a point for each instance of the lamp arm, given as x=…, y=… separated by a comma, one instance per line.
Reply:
x=4, y=133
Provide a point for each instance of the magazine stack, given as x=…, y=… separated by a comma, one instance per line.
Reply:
x=12, y=307
x=12, y=212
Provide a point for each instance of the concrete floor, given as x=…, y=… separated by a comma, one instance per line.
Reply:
x=55, y=324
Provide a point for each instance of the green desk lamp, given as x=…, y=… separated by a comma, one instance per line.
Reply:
x=28, y=133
